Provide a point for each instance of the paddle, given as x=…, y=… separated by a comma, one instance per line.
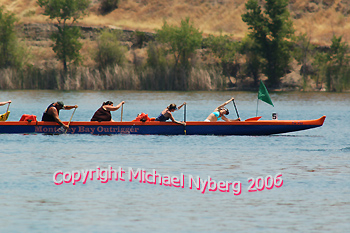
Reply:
x=7, y=112
x=185, y=119
x=234, y=104
x=5, y=116
x=8, y=106
x=70, y=120
x=121, y=113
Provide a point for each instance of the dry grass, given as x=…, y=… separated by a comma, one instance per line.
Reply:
x=116, y=78
x=42, y=54
x=320, y=20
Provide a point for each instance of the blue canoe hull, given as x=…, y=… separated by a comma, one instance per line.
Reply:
x=164, y=128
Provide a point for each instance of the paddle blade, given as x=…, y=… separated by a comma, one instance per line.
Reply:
x=61, y=130
x=253, y=118
x=5, y=116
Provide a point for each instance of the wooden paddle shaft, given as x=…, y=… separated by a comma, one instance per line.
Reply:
x=234, y=104
x=121, y=113
x=8, y=106
x=70, y=120
x=185, y=113
x=71, y=116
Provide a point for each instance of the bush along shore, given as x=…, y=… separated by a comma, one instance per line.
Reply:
x=65, y=56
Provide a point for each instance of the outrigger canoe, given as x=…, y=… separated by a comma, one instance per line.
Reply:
x=253, y=126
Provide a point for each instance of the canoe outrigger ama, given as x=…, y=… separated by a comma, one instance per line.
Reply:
x=252, y=126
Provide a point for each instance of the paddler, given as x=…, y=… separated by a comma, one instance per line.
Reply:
x=220, y=112
x=104, y=112
x=166, y=114
x=53, y=110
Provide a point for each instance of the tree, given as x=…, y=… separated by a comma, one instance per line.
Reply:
x=182, y=42
x=66, y=39
x=253, y=61
x=12, y=52
x=303, y=53
x=225, y=49
x=109, y=51
x=338, y=65
x=156, y=58
x=318, y=65
x=333, y=65
x=272, y=30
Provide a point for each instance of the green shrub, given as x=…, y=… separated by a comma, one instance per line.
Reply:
x=109, y=50
x=13, y=53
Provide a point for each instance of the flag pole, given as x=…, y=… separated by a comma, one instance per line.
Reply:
x=257, y=105
x=257, y=102
x=185, y=118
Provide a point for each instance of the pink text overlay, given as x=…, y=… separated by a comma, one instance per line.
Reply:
x=104, y=175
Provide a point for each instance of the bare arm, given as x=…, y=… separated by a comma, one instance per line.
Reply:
x=53, y=111
x=224, y=104
x=181, y=105
x=113, y=108
x=226, y=119
x=6, y=102
x=69, y=107
x=175, y=121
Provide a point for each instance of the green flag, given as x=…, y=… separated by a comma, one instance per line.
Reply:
x=264, y=94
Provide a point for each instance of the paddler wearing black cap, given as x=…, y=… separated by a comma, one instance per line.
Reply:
x=53, y=110
x=166, y=114
x=220, y=112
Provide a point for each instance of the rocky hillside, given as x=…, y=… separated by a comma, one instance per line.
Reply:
x=319, y=18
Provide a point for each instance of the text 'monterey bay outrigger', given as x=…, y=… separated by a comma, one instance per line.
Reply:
x=251, y=126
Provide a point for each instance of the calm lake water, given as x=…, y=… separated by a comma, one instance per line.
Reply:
x=315, y=168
